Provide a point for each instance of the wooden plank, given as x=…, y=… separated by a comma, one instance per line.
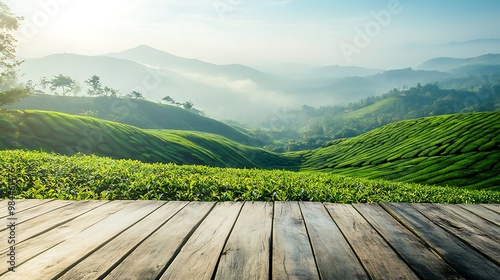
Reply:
x=483, y=212
x=424, y=261
x=35, y=246
x=476, y=232
x=488, y=228
x=465, y=260
x=106, y=258
x=292, y=253
x=334, y=257
x=151, y=257
x=64, y=255
x=248, y=249
x=23, y=205
x=42, y=209
x=493, y=207
x=378, y=258
x=46, y=222
x=198, y=257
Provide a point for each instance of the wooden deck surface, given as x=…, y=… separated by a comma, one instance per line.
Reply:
x=282, y=240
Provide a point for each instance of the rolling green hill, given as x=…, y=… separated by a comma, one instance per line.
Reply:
x=461, y=150
x=317, y=125
x=383, y=106
x=68, y=134
x=139, y=113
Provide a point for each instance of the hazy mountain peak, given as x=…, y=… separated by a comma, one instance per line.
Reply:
x=476, y=41
x=145, y=52
x=448, y=64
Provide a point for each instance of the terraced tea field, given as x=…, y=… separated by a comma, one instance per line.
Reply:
x=456, y=150
x=68, y=135
x=460, y=150
x=135, y=112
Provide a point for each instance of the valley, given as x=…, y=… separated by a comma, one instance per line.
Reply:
x=270, y=139
x=416, y=122
x=454, y=150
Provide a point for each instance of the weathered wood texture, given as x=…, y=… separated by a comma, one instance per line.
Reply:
x=252, y=240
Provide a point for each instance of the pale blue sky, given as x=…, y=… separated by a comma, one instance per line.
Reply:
x=255, y=32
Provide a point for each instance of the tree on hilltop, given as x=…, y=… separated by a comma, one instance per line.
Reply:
x=95, y=87
x=111, y=92
x=135, y=94
x=65, y=83
x=188, y=105
x=168, y=99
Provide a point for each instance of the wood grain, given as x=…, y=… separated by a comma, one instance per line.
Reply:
x=37, y=245
x=483, y=212
x=65, y=254
x=199, y=256
x=22, y=205
x=379, y=260
x=53, y=219
x=107, y=257
x=248, y=249
x=478, y=233
x=292, y=253
x=423, y=259
x=334, y=256
x=24, y=216
x=253, y=240
x=465, y=260
x=151, y=257
x=493, y=207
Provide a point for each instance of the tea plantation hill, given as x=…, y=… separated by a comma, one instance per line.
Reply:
x=67, y=134
x=135, y=112
x=461, y=150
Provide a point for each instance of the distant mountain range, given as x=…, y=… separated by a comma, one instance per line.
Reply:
x=417, y=53
x=157, y=59
x=449, y=64
x=491, y=42
x=475, y=42
x=240, y=92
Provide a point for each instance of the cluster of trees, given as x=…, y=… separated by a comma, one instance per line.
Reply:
x=11, y=90
x=188, y=105
x=310, y=127
x=64, y=85
x=58, y=85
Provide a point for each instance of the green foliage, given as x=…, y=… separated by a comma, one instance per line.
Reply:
x=41, y=175
x=335, y=122
x=65, y=83
x=95, y=87
x=139, y=113
x=136, y=94
x=188, y=105
x=12, y=95
x=460, y=150
x=66, y=134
